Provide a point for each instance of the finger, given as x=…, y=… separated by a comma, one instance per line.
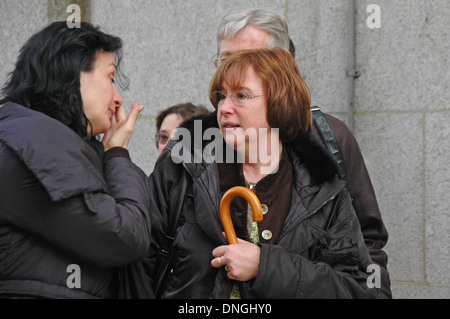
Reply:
x=136, y=108
x=219, y=251
x=241, y=241
x=231, y=276
x=113, y=120
x=224, y=236
x=120, y=114
x=217, y=262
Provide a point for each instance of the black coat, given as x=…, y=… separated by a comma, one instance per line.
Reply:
x=364, y=200
x=310, y=260
x=61, y=206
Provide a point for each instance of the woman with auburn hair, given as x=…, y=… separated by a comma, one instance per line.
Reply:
x=309, y=243
x=286, y=94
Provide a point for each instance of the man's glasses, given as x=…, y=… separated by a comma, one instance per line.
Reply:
x=162, y=138
x=238, y=98
x=217, y=60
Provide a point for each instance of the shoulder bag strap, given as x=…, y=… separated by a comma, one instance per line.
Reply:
x=328, y=137
x=174, y=217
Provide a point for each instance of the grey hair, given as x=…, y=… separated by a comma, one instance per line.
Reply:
x=264, y=19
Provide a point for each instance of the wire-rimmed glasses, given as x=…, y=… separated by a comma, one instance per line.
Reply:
x=238, y=98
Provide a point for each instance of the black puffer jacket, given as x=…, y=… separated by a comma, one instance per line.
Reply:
x=310, y=260
x=61, y=206
x=364, y=200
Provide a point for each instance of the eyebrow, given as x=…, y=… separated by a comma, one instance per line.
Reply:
x=224, y=54
x=244, y=88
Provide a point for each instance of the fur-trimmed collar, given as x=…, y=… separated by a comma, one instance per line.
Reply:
x=304, y=147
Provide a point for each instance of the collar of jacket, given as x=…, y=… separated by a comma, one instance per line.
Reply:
x=62, y=161
x=304, y=150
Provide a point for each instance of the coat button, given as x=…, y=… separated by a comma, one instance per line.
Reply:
x=266, y=234
x=264, y=209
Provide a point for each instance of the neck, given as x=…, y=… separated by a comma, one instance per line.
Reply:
x=254, y=172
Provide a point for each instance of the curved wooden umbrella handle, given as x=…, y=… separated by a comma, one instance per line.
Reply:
x=225, y=216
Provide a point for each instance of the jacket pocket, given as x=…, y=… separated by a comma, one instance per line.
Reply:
x=334, y=253
x=332, y=246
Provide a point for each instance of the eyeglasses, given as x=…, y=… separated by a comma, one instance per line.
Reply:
x=216, y=60
x=162, y=138
x=238, y=98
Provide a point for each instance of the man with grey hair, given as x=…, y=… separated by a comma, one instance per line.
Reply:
x=256, y=29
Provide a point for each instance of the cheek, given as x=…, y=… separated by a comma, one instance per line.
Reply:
x=100, y=119
x=263, y=122
x=261, y=117
x=105, y=92
x=219, y=117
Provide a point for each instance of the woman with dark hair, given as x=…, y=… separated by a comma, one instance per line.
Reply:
x=72, y=208
x=309, y=243
x=169, y=119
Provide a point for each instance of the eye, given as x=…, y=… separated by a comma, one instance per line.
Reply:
x=219, y=96
x=162, y=138
x=242, y=97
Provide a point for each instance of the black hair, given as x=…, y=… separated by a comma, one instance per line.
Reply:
x=47, y=73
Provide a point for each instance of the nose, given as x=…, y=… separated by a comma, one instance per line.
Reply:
x=162, y=145
x=227, y=106
x=117, y=99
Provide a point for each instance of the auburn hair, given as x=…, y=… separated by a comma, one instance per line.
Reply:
x=286, y=93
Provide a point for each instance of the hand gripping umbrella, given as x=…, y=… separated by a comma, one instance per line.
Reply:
x=250, y=197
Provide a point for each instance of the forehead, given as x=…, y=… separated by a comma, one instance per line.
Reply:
x=105, y=59
x=240, y=78
x=246, y=39
x=170, y=122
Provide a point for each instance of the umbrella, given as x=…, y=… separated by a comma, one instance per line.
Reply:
x=250, y=197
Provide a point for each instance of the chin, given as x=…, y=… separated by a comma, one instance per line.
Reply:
x=101, y=130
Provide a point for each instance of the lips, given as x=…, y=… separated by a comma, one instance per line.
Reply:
x=229, y=125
